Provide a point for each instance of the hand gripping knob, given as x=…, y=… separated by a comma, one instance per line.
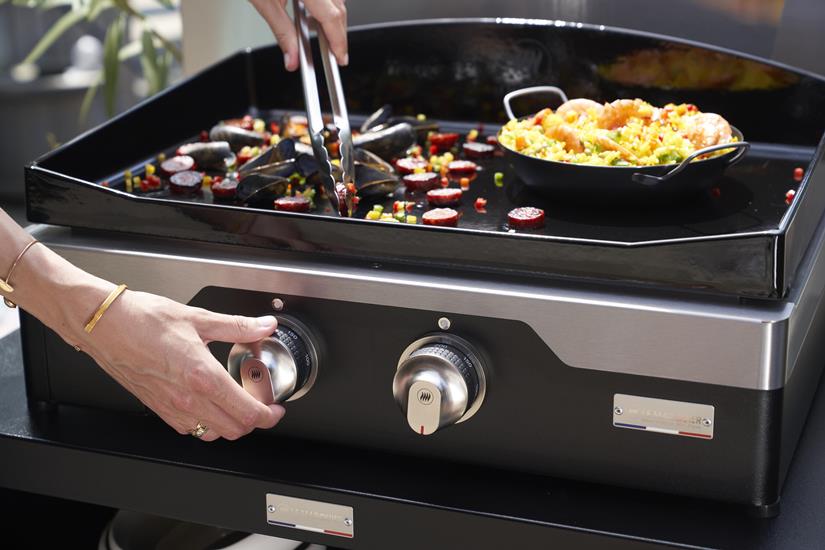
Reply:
x=282, y=367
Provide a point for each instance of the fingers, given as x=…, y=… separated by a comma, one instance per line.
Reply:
x=332, y=15
x=210, y=382
x=232, y=328
x=274, y=13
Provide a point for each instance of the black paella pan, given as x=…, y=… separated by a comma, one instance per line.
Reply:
x=618, y=183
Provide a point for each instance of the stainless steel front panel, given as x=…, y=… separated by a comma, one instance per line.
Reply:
x=735, y=345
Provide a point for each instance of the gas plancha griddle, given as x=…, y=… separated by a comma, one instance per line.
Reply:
x=670, y=347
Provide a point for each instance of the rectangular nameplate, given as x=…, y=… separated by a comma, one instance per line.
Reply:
x=310, y=515
x=663, y=416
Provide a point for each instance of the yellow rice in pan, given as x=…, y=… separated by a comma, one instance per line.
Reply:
x=621, y=133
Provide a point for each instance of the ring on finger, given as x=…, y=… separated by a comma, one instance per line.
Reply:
x=199, y=430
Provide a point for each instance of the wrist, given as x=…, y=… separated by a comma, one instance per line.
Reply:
x=59, y=294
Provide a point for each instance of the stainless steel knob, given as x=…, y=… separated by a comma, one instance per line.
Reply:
x=440, y=381
x=282, y=367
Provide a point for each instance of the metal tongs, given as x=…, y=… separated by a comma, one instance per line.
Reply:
x=339, y=192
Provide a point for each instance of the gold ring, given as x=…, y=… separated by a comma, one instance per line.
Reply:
x=199, y=430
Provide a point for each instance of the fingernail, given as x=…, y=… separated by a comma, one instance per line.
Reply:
x=266, y=321
x=287, y=61
x=345, y=60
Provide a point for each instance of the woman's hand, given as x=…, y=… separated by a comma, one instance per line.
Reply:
x=156, y=349
x=331, y=14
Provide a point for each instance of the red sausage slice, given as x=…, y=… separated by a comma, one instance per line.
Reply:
x=462, y=167
x=423, y=181
x=441, y=216
x=444, y=197
x=526, y=217
x=180, y=163
x=298, y=203
x=225, y=189
x=477, y=150
x=407, y=165
x=187, y=182
x=442, y=142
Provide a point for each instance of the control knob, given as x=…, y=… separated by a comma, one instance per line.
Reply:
x=440, y=381
x=281, y=367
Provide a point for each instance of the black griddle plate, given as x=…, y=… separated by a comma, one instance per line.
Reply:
x=745, y=242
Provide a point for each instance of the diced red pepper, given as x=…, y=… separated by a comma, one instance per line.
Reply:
x=153, y=181
x=275, y=128
x=204, y=136
x=481, y=203
x=715, y=192
x=789, y=196
x=798, y=173
x=247, y=122
x=433, y=149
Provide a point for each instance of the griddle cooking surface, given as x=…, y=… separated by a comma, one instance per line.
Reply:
x=751, y=198
x=743, y=241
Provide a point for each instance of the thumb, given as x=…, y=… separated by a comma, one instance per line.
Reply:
x=235, y=328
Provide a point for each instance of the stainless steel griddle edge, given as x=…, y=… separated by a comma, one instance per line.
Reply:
x=746, y=346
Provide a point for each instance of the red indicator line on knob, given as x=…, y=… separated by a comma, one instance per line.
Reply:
x=422, y=430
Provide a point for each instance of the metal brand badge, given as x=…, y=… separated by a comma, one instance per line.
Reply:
x=663, y=416
x=310, y=515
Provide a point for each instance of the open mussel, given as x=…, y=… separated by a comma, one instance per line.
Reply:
x=261, y=190
x=284, y=150
x=237, y=137
x=303, y=165
x=371, y=180
x=213, y=155
x=383, y=119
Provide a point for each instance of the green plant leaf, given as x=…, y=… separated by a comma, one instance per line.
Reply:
x=66, y=21
x=149, y=61
x=111, y=62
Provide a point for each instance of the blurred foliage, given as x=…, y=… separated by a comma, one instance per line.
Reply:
x=155, y=51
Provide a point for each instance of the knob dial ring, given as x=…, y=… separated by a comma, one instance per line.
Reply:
x=464, y=347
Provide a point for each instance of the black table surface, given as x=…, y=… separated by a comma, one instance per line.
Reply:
x=136, y=462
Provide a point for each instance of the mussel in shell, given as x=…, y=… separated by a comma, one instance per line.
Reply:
x=237, y=137
x=213, y=155
x=261, y=190
x=383, y=119
x=389, y=142
x=302, y=164
x=284, y=150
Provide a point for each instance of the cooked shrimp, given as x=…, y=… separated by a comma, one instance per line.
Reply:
x=610, y=145
x=579, y=106
x=617, y=114
x=706, y=129
x=565, y=133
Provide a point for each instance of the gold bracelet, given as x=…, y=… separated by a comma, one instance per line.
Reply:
x=90, y=326
x=5, y=283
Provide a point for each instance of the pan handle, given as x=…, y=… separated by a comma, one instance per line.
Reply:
x=527, y=91
x=648, y=179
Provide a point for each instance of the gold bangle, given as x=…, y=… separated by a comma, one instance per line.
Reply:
x=103, y=307
x=5, y=285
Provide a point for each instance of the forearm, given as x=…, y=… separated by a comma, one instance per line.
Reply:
x=61, y=295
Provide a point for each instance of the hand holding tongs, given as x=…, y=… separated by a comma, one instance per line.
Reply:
x=340, y=192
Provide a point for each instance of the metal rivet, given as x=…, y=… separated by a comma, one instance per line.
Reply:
x=706, y=422
x=618, y=410
x=444, y=323
x=348, y=522
x=277, y=304
x=270, y=509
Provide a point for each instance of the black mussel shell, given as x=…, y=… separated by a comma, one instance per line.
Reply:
x=284, y=150
x=389, y=142
x=261, y=190
x=213, y=155
x=378, y=118
x=238, y=138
